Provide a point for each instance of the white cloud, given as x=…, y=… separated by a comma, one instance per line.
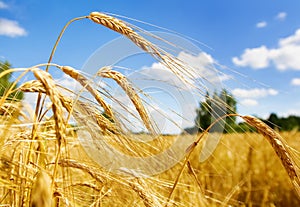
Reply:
x=281, y=16
x=290, y=112
x=204, y=64
x=3, y=5
x=253, y=93
x=261, y=24
x=201, y=65
x=290, y=40
x=249, y=102
x=249, y=97
x=285, y=56
x=295, y=81
x=11, y=28
x=255, y=58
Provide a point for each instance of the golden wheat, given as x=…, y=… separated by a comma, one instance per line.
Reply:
x=51, y=90
x=186, y=73
x=28, y=154
x=41, y=195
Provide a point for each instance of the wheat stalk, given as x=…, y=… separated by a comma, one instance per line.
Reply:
x=138, y=185
x=99, y=177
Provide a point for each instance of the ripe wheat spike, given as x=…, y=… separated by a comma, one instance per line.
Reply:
x=280, y=148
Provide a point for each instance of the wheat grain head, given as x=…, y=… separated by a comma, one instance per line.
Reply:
x=86, y=84
x=280, y=148
x=131, y=93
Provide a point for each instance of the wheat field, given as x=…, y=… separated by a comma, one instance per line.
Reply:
x=44, y=162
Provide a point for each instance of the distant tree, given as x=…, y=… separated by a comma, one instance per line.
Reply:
x=214, y=107
x=6, y=83
x=273, y=121
x=203, y=118
x=231, y=108
x=290, y=123
x=243, y=127
x=283, y=124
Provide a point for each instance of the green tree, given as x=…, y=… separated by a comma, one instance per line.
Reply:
x=203, y=118
x=6, y=83
x=273, y=121
x=283, y=124
x=214, y=107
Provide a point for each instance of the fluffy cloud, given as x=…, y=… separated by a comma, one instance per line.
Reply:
x=248, y=97
x=261, y=24
x=249, y=102
x=285, y=56
x=281, y=16
x=295, y=81
x=3, y=5
x=202, y=64
x=255, y=58
x=253, y=93
x=11, y=28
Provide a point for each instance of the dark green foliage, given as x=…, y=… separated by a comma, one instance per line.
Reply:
x=244, y=127
x=283, y=124
x=212, y=108
x=6, y=83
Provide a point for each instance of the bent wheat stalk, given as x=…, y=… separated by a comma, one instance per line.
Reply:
x=280, y=148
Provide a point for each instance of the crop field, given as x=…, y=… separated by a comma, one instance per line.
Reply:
x=47, y=160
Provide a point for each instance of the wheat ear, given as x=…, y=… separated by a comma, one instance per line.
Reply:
x=86, y=84
x=52, y=91
x=142, y=189
x=41, y=193
x=180, y=69
x=280, y=148
x=122, y=28
x=131, y=93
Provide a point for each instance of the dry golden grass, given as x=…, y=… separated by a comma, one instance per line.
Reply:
x=43, y=163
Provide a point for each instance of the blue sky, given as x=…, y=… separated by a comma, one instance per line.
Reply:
x=259, y=39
